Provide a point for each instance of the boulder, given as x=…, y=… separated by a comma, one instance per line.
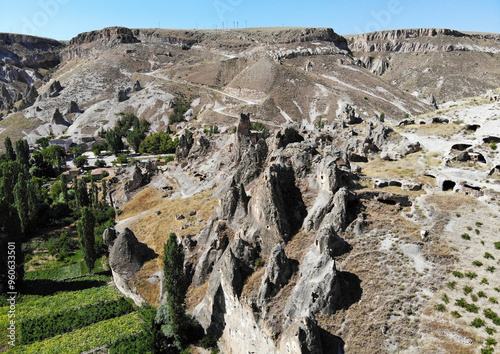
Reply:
x=319, y=289
x=135, y=180
x=122, y=95
x=431, y=100
x=30, y=97
x=287, y=135
x=349, y=115
x=463, y=157
x=250, y=158
x=233, y=206
x=127, y=255
x=377, y=135
x=329, y=242
x=137, y=86
x=109, y=237
x=182, y=151
x=200, y=147
x=5, y=95
x=276, y=209
x=379, y=66
x=216, y=240
x=189, y=114
x=244, y=125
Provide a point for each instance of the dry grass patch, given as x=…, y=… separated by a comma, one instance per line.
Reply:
x=140, y=216
x=195, y=295
x=406, y=168
x=253, y=282
x=148, y=290
x=14, y=125
x=296, y=248
x=441, y=130
x=145, y=200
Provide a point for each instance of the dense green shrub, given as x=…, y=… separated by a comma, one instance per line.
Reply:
x=471, y=275
x=488, y=255
x=440, y=307
x=477, y=322
x=468, y=307
x=159, y=143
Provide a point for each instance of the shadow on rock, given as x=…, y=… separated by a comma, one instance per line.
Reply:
x=331, y=343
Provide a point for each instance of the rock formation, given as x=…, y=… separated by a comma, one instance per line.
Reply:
x=126, y=257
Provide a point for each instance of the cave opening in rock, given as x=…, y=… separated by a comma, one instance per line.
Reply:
x=448, y=185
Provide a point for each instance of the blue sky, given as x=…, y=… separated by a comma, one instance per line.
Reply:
x=64, y=19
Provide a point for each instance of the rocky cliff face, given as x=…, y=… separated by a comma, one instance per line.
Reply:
x=263, y=223
x=23, y=63
x=410, y=40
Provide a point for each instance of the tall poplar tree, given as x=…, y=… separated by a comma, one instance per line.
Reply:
x=21, y=203
x=176, y=285
x=9, y=150
x=85, y=229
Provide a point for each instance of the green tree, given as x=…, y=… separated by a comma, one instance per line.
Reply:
x=135, y=138
x=9, y=172
x=81, y=194
x=85, y=227
x=34, y=196
x=23, y=152
x=159, y=143
x=43, y=142
x=10, y=227
x=21, y=203
x=64, y=188
x=94, y=193
x=75, y=151
x=181, y=106
x=55, y=191
x=98, y=147
x=81, y=161
x=55, y=155
x=9, y=150
x=176, y=285
x=114, y=141
x=39, y=166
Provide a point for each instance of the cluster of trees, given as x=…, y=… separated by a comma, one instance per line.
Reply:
x=159, y=143
x=129, y=127
x=181, y=106
x=30, y=200
x=135, y=131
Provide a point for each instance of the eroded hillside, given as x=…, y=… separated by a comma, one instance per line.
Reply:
x=360, y=220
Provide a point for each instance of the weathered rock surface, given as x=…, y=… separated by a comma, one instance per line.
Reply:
x=58, y=118
x=278, y=272
x=126, y=257
x=349, y=115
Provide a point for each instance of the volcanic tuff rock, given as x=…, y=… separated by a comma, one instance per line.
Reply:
x=279, y=270
x=296, y=196
x=126, y=257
